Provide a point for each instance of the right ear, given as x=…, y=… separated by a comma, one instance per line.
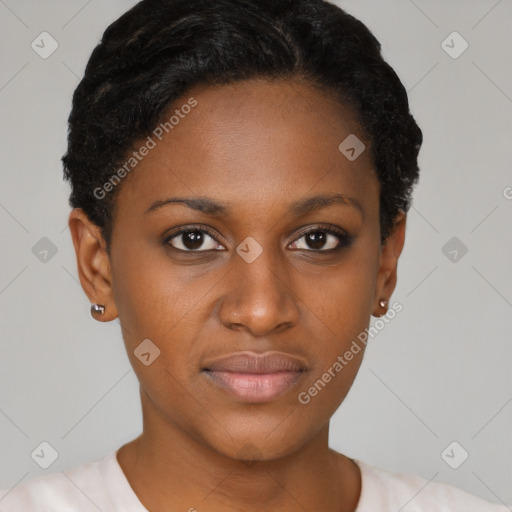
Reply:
x=93, y=263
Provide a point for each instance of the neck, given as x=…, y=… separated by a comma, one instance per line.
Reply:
x=169, y=469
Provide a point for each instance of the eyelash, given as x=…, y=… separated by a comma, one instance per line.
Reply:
x=344, y=238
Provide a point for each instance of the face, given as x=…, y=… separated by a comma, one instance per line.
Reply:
x=273, y=248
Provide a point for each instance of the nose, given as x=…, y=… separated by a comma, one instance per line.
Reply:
x=259, y=297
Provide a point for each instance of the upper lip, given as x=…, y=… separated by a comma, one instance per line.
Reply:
x=251, y=362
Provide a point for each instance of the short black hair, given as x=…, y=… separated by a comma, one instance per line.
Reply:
x=156, y=51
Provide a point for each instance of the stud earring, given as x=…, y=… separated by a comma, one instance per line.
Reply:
x=97, y=308
x=382, y=304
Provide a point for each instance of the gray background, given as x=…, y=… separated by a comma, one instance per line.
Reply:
x=439, y=372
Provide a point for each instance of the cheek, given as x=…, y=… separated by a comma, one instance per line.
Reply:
x=339, y=306
x=341, y=296
x=337, y=352
x=151, y=294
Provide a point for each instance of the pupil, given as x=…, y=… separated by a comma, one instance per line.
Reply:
x=316, y=240
x=193, y=239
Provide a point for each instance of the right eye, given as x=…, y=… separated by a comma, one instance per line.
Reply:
x=191, y=239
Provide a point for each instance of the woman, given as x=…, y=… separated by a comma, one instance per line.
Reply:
x=241, y=172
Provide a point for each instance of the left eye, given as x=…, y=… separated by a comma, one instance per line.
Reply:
x=319, y=239
x=193, y=240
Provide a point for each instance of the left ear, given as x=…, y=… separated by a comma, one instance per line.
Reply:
x=390, y=252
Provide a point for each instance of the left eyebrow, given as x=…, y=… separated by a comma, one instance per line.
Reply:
x=298, y=208
x=316, y=202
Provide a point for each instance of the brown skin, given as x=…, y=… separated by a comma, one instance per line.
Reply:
x=257, y=147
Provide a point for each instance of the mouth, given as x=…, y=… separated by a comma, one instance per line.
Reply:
x=252, y=377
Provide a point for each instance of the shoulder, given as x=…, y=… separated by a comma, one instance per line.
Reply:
x=383, y=490
x=78, y=488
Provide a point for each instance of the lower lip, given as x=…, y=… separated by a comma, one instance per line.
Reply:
x=255, y=387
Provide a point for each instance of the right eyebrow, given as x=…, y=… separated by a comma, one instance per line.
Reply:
x=201, y=204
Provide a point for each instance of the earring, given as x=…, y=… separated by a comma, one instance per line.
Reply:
x=382, y=304
x=97, y=308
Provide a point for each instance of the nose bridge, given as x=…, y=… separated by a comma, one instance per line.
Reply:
x=259, y=296
x=260, y=275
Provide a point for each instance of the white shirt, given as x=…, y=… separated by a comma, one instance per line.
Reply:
x=102, y=486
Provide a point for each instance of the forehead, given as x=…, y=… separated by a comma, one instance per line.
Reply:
x=252, y=140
